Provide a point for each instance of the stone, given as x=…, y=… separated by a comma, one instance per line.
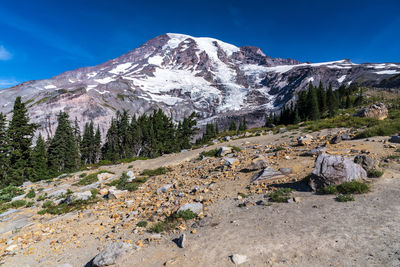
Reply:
x=77, y=196
x=334, y=170
x=27, y=183
x=336, y=139
x=231, y=162
x=314, y=151
x=377, y=111
x=266, y=174
x=346, y=137
x=131, y=176
x=258, y=164
x=110, y=254
x=223, y=151
x=164, y=189
x=395, y=139
x=238, y=259
x=65, y=265
x=367, y=162
x=194, y=207
x=114, y=193
x=304, y=140
x=227, y=138
x=18, y=197
x=282, y=130
x=103, y=192
x=181, y=241
x=11, y=248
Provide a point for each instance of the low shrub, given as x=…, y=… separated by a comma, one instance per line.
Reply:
x=142, y=224
x=353, y=187
x=18, y=203
x=186, y=215
x=344, y=198
x=91, y=178
x=31, y=194
x=210, y=153
x=155, y=172
x=375, y=173
x=9, y=192
x=281, y=195
x=329, y=190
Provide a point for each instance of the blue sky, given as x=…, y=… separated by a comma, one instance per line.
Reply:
x=40, y=39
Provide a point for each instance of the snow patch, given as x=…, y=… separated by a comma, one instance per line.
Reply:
x=387, y=72
x=92, y=74
x=90, y=87
x=121, y=68
x=50, y=86
x=155, y=60
x=104, y=80
x=341, y=79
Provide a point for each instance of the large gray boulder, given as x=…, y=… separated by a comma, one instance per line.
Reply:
x=258, y=164
x=334, y=170
x=377, y=111
x=267, y=174
x=111, y=253
x=223, y=151
x=194, y=207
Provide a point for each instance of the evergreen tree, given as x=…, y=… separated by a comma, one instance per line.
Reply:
x=4, y=152
x=232, y=126
x=216, y=128
x=331, y=102
x=312, y=103
x=63, y=153
x=39, y=160
x=243, y=125
x=296, y=118
x=348, y=102
x=302, y=105
x=110, y=150
x=20, y=133
x=321, y=94
x=97, y=146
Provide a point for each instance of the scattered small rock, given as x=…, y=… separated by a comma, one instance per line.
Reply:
x=238, y=259
x=181, y=241
x=111, y=253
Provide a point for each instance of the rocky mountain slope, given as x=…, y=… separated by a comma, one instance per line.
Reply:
x=182, y=74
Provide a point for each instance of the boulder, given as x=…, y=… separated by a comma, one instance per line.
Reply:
x=58, y=193
x=131, y=176
x=304, y=140
x=367, y=162
x=194, y=207
x=110, y=254
x=181, y=241
x=377, y=111
x=258, y=164
x=395, y=139
x=164, y=189
x=346, y=137
x=314, y=151
x=282, y=130
x=114, y=193
x=285, y=171
x=336, y=139
x=77, y=196
x=267, y=174
x=334, y=170
x=238, y=259
x=223, y=151
x=231, y=162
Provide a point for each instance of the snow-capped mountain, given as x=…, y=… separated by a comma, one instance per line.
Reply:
x=182, y=74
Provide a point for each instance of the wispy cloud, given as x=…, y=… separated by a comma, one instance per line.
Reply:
x=7, y=82
x=42, y=33
x=4, y=54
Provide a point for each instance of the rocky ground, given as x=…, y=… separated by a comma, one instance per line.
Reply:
x=311, y=230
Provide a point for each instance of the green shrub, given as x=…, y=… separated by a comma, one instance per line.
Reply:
x=94, y=192
x=18, y=203
x=31, y=194
x=210, y=153
x=344, y=198
x=42, y=197
x=123, y=184
x=158, y=227
x=155, y=172
x=82, y=175
x=29, y=204
x=91, y=178
x=142, y=224
x=236, y=149
x=329, y=190
x=9, y=192
x=353, y=187
x=130, y=166
x=281, y=195
x=47, y=204
x=186, y=215
x=375, y=173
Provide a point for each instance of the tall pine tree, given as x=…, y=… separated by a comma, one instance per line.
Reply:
x=332, y=102
x=4, y=152
x=63, y=151
x=39, y=160
x=20, y=133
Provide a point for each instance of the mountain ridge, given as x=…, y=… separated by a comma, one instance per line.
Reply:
x=181, y=74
